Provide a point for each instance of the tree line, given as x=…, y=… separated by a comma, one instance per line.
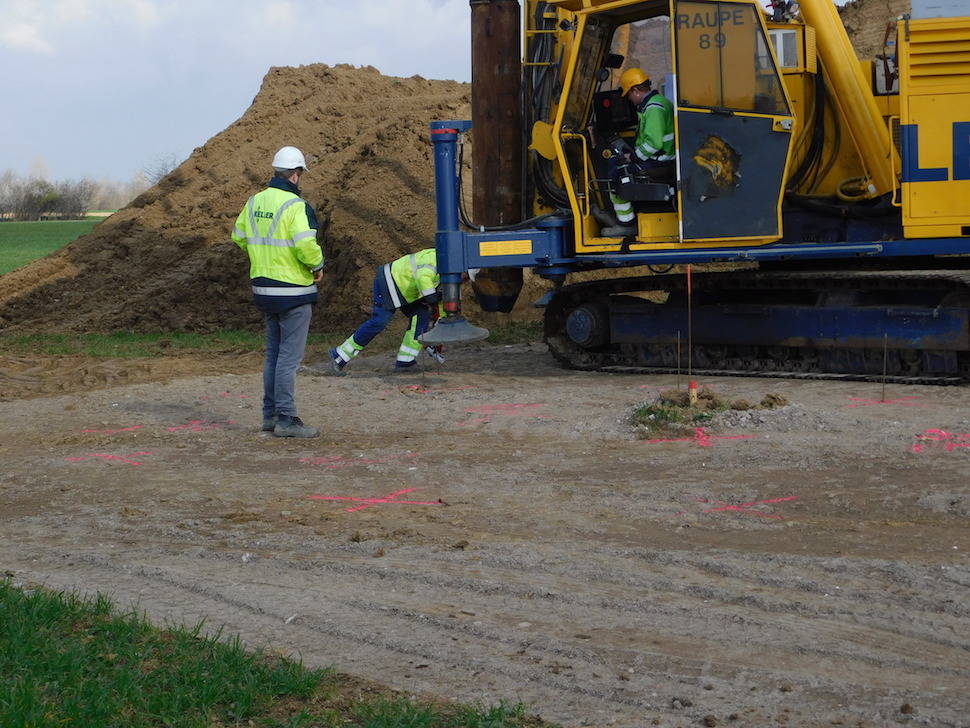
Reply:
x=33, y=197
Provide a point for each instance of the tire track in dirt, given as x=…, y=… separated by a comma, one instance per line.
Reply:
x=907, y=626
x=572, y=567
x=897, y=645
x=413, y=616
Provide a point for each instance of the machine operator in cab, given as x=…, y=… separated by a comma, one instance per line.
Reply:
x=653, y=148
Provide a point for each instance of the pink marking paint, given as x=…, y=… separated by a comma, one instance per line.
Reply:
x=748, y=508
x=109, y=457
x=937, y=439
x=112, y=432
x=336, y=462
x=901, y=401
x=702, y=438
x=369, y=502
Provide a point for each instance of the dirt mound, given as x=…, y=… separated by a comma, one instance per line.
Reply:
x=866, y=22
x=166, y=262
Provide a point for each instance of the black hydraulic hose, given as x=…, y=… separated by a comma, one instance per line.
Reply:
x=467, y=221
x=832, y=207
x=814, y=152
x=543, y=77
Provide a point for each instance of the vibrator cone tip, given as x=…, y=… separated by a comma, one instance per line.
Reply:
x=453, y=331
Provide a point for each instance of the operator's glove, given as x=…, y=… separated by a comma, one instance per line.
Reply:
x=621, y=147
x=431, y=299
x=435, y=353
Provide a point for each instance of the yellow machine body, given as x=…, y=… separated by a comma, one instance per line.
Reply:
x=868, y=149
x=934, y=92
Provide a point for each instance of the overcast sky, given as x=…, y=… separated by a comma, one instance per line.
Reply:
x=105, y=88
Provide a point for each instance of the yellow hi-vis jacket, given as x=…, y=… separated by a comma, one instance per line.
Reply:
x=277, y=228
x=412, y=277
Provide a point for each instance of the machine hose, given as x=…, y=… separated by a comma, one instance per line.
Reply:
x=833, y=207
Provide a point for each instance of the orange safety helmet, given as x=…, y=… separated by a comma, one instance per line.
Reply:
x=632, y=77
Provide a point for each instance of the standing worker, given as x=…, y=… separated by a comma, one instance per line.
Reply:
x=410, y=284
x=653, y=149
x=278, y=229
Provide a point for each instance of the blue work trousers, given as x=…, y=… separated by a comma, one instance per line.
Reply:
x=380, y=314
x=286, y=335
x=383, y=310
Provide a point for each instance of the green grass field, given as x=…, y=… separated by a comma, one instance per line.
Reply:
x=23, y=242
x=132, y=345
x=69, y=661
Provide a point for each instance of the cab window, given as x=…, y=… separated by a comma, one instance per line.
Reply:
x=724, y=61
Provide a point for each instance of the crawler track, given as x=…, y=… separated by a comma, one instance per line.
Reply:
x=767, y=293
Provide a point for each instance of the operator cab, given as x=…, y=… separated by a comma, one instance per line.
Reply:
x=613, y=134
x=713, y=61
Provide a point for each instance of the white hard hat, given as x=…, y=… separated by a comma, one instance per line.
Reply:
x=289, y=158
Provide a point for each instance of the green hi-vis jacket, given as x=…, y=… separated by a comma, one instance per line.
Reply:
x=278, y=230
x=414, y=276
x=655, y=132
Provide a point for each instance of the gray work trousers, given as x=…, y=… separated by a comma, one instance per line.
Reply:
x=285, y=343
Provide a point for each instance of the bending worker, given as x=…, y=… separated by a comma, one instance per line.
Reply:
x=278, y=229
x=653, y=149
x=409, y=284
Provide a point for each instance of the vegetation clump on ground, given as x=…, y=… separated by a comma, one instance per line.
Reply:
x=672, y=412
x=68, y=660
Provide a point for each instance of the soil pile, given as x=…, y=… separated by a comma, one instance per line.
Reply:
x=866, y=22
x=166, y=261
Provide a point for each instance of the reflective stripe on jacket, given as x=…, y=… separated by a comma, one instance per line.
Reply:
x=278, y=229
x=412, y=277
x=655, y=131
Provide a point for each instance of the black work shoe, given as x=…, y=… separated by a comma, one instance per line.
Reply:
x=409, y=368
x=269, y=423
x=336, y=364
x=619, y=231
x=293, y=427
x=604, y=218
x=328, y=367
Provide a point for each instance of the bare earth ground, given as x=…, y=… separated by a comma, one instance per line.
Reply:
x=802, y=566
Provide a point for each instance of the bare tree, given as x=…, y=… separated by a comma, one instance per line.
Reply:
x=160, y=167
x=75, y=198
x=8, y=183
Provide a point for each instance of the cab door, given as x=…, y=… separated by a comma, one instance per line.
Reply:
x=733, y=123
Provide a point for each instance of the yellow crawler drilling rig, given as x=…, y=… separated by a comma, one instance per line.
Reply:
x=838, y=189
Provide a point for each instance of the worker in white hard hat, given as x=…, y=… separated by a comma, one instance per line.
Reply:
x=278, y=229
x=653, y=148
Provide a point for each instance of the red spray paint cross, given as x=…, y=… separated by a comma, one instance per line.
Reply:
x=109, y=457
x=948, y=441
x=749, y=508
x=368, y=502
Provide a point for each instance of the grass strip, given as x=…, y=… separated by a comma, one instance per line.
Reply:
x=132, y=345
x=66, y=660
